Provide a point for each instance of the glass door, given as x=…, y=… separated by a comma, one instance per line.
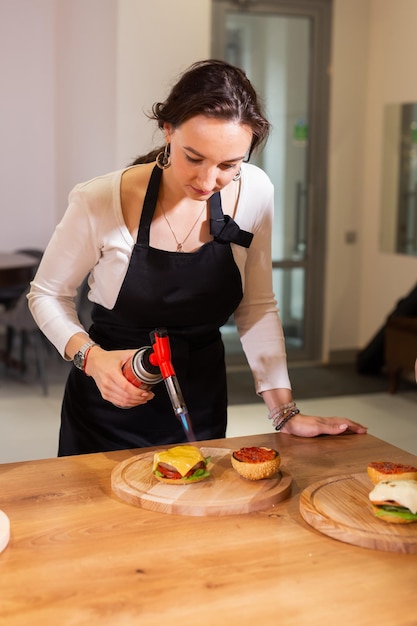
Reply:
x=407, y=192
x=281, y=46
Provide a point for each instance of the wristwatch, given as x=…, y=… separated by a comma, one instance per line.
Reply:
x=79, y=357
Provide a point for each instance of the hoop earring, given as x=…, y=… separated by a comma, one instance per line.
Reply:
x=163, y=159
x=237, y=176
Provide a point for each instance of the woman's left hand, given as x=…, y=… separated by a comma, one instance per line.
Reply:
x=311, y=426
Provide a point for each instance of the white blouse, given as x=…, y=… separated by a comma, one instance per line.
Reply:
x=92, y=238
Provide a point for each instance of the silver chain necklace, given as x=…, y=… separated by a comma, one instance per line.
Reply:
x=180, y=244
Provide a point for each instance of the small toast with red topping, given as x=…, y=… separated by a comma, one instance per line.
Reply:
x=256, y=463
x=386, y=470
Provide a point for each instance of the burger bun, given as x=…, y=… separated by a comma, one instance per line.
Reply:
x=253, y=469
x=387, y=470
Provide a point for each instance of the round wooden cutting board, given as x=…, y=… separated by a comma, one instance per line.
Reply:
x=223, y=493
x=4, y=530
x=340, y=508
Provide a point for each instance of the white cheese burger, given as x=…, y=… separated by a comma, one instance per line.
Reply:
x=395, y=501
x=180, y=465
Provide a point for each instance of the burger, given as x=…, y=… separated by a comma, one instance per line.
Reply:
x=180, y=465
x=395, y=501
x=386, y=470
x=256, y=463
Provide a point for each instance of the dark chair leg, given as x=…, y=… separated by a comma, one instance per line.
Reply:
x=393, y=379
x=40, y=360
x=9, y=360
x=23, y=345
x=21, y=364
x=9, y=342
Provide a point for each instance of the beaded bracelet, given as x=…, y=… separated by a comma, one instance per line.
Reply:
x=279, y=411
x=278, y=414
x=286, y=419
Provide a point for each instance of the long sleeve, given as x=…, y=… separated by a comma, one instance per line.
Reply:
x=257, y=317
x=91, y=237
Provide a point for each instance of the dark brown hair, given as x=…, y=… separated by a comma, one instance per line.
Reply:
x=215, y=89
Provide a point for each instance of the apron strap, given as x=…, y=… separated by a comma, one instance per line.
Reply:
x=149, y=204
x=223, y=228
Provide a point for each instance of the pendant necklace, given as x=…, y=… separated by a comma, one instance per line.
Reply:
x=180, y=244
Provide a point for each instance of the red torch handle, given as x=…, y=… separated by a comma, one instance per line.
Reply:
x=161, y=355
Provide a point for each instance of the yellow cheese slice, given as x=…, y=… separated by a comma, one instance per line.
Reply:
x=182, y=458
x=404, y=492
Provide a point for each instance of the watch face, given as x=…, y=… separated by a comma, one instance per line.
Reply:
x=79, y=360
x=79, y=357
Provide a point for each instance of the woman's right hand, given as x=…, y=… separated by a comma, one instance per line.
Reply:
x=105, y=366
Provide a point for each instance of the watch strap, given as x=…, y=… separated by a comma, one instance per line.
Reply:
x=80, y=356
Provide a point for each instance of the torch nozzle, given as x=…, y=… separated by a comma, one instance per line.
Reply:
x=161, y=356
x=179, y=406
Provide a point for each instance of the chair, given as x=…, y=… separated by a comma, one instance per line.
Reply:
x=19, y=323
x=400, y=348
x=36, y=253
x=10, y=293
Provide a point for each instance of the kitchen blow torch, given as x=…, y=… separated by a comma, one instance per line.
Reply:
x=161, y=357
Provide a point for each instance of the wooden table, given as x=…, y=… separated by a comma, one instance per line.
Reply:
x=78, y=555
x=16, y=268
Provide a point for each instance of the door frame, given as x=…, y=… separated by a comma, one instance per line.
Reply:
x=320, y=14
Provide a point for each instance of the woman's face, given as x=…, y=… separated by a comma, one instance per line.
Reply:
x=206, y=154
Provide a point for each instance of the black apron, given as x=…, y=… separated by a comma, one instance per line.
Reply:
x=190, y=294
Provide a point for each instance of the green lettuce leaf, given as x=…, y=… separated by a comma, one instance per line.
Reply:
x=400, y=511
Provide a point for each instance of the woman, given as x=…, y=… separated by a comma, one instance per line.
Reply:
x=180, y=239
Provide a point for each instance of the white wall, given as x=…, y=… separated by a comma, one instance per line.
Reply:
x=392, y=79
x=77, y=76
x=27, y=108
x=85, y=93
x=345, y=165
x=157, y=40
x=373, y=58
